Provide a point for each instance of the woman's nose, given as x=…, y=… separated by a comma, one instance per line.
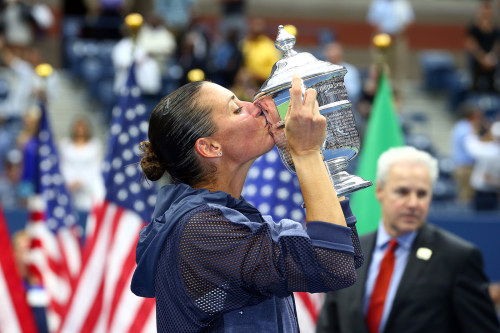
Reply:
x=253, y=109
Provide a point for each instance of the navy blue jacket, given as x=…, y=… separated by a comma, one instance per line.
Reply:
x=215, y=264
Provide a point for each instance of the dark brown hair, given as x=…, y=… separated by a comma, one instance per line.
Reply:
x=174, y=126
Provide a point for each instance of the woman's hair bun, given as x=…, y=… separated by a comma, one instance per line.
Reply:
x=150, y=163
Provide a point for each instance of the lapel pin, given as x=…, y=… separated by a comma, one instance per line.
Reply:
x=424, y=253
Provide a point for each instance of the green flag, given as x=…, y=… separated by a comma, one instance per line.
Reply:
x=382, y=132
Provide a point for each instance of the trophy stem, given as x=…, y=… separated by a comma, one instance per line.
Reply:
x=343, y=182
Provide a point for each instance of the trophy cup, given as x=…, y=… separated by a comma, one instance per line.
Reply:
x=342, y=138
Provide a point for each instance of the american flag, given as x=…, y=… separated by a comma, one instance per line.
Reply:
x=102, y=301
x=275, y=191
x=15, y=314
x=55, y=254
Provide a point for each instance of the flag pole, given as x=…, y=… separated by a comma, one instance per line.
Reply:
x=382, y=41
x=43, y=70
x=134, y=22
x=383, y=131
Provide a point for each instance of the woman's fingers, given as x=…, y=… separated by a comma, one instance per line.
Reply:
x=296, y=93
x=310, y=100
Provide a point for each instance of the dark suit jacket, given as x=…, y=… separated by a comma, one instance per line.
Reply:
x=446, y=293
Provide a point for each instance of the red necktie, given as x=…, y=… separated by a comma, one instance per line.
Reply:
x=376, y=306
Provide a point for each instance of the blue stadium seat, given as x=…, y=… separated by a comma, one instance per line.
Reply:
x=444, y=190
x=420, y=141
x=105, y=93
x=92, y=71
x=488, y=103
x=446, y=166
x=437, y=69
x=72, y=27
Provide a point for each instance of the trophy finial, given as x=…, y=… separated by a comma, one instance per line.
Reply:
x=285, y=42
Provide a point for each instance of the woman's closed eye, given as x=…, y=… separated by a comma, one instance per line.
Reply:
x=238, y=110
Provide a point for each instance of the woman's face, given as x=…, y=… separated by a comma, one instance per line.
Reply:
x=242, y=128
x=80, y=129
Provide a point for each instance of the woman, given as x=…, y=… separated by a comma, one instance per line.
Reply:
x=211, y=260
x=81, y=158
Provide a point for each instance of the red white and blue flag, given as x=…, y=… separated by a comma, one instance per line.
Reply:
x=102, y=301
x=15, y=314
x=55, y=254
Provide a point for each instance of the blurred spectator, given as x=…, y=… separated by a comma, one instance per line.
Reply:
x=158, y=42
x=233, y=16
x=334, y=53
x=24, y=22
x=19, y=78
x=259, y=52
x=463, y=161
x=16, y=15
x=175, y=13
x=485, y=178
x=105, y=17
x=81, y=158
x=194, y=48
x=147, y=71
x=393, y=17
x=483, y=47
x=227, y=59
x=10, y=181
x=244, y=86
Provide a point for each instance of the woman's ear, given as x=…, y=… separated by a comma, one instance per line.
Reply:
x=207, y=147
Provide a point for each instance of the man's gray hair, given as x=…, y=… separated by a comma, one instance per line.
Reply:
x=406, y=154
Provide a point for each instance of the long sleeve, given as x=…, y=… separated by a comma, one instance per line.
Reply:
x=351, y=220
x=222, y=252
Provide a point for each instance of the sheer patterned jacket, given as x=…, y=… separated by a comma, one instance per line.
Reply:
x=215, y=264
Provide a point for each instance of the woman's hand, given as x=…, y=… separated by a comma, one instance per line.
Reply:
x=305, y=130
x=305, y=127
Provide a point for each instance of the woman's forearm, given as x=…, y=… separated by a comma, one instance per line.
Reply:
x=318, y=192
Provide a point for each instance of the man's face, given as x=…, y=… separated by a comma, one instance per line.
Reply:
x=405, y=198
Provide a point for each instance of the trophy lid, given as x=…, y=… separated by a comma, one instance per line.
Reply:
x=303, y=64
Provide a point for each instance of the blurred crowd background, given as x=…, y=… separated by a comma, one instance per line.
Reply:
x=442, y=64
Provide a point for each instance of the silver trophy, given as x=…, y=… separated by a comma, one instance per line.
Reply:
x=342, y=138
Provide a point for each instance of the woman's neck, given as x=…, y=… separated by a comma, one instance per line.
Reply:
x=229, y=180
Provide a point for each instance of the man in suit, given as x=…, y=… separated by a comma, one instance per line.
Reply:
x=430, y=281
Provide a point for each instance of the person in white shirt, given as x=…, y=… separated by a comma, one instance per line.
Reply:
x=81, y=160
x=393, y=18
x=485, y=178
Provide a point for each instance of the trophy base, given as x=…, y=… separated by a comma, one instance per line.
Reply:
x=345, y=183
